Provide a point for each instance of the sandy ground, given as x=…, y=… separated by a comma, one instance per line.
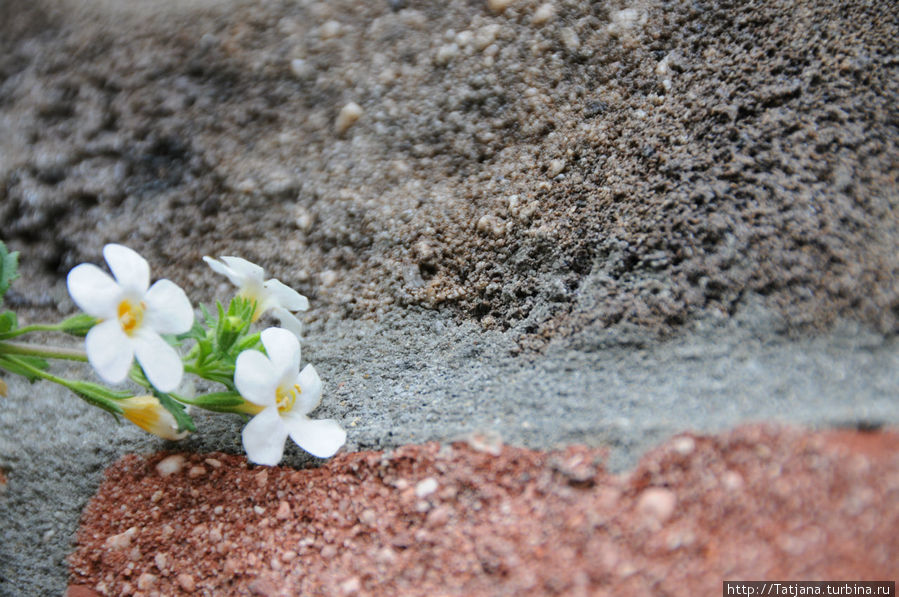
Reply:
x=570, y=222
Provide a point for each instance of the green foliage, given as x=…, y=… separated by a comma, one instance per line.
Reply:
x=185, y=423
x=77, y=325
x=24, y=365
x=8, y=322
x=9, y=265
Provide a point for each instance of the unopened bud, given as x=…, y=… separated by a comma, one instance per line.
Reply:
x=147, y=413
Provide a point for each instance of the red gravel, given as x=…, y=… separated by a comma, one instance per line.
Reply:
x=756, y=503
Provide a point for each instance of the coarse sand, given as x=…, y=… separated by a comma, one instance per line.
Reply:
x=758, y=503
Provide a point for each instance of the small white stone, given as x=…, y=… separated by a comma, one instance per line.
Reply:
x=304, y=219
x=170, y=465
x=570, y=39
x=347, y=117
x=328, y=278
x=555, y=168
x=162, y=561
x=146, y=581
x=657, y=503
x=426, y=487
x=464, y=38
x=684, y=445
x=544, y=13
x=259, y=510
x=623, y=20
x=490, y=224
x=300, y=68
x=329, y=30
x=122, y=540
x=445, y=54
x=486, y=35
x=499, y=6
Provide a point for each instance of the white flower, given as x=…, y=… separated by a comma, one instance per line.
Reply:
x=132, y=318
x=270, y=295
x=287, y=396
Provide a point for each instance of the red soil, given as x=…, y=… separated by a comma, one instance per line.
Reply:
x=756, y=503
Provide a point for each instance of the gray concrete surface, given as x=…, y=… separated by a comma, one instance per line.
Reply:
x=423, y=377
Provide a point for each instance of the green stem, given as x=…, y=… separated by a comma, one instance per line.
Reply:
x=39, y=350
x=76, y=387
x=38, y=327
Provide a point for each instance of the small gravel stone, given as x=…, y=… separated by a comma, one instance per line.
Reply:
x=196, y=472
x=186, y=582
x=283, y=511
x=426, y=487
x=170, y=465
x=122, y=540
x=347, y=117
x=146, y=581
x=657, y=502
x=544, y=13
x=555, y=168
x=499, y=6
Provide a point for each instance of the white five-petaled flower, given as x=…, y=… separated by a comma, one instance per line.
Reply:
x=270, y=295
x=287, y=396
x=132, y=316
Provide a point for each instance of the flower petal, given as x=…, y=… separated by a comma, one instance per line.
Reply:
x=263, y=437
x=160, y=361
x=286, y=296
x=256, y=378
x=109, y=351
x=321, y=438
x=131, y=271
x=283, y=349
x=168, y=308
x=289, y=321
x=94, y=291
x=245, y=269
x=220, y=268
x=311, y=390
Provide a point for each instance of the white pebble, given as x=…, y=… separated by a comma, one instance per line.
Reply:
x=426, y=487
x=300, y=68
x=445, y=54
x=622, y=20
x=490, y=224
x=347, y=117
x=122, y=540
x=544, y=13
x=499, y=6
x=170, y=465
x=329, y=30
x=657, y=503
x=555, y=168
x=570, y=39
x=486, y=35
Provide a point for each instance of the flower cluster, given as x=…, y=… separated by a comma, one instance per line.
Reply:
x=149, y=334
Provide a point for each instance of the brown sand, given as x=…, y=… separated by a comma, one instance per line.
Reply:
x=466, y=519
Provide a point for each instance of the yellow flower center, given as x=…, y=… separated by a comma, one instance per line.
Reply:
x=131, y=315
x=285, y=399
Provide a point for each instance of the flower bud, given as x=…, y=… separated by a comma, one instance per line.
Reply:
x=147, y=413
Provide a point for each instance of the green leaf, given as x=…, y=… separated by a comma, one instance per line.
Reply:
x=185, y=423
x=9, y=265
x=222, y=402
x=8, y=322
x=78, y=325
x=14, y=364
